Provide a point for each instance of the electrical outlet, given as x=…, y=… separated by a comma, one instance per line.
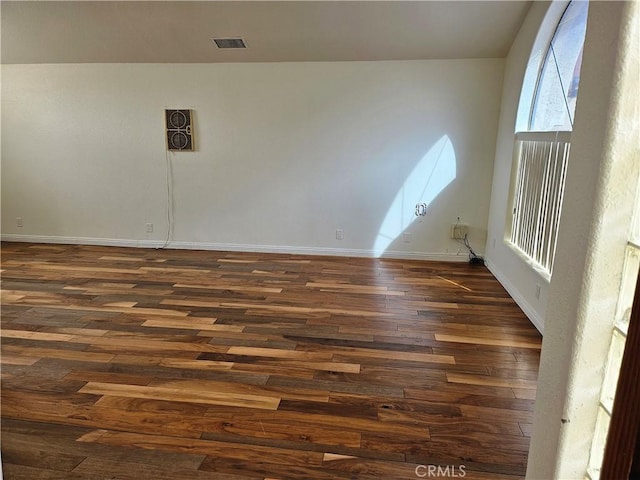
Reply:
x=406, y=237
x=538, y=292
x=459, y=231
x=339, y=234
x=149, y=227
x=19, y=222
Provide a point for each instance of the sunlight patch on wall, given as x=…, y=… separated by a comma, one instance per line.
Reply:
x=431, y=175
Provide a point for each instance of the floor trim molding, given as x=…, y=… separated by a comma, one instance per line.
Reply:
x=234, y=247
x=525, y=306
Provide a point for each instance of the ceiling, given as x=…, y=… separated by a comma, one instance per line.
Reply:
x=180, y=31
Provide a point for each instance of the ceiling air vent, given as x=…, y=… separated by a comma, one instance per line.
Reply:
x=229, y=42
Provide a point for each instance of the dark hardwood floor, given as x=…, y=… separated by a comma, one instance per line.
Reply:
x=164, y=364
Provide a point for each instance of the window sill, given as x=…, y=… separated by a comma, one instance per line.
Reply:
x=545, y=276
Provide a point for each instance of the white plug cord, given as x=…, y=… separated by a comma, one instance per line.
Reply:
x=169, y=181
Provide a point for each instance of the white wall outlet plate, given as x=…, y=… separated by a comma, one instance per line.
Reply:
x=459, y=231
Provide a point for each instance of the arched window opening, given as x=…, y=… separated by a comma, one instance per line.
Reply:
x=542, y=150
x=554, y=102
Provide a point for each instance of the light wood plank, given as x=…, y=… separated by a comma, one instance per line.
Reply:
x=490, y=381
x=179, y=395
x=505, y=342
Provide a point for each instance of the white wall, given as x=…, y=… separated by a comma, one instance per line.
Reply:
x=514, y=272
x=286, y=153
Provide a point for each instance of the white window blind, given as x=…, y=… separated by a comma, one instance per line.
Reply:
x=541, y=159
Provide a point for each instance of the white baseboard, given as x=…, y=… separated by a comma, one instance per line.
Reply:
x=526, y=307
x=233, y=247
x=106, y=242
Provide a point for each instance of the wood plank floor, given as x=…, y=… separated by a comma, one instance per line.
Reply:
x=163, y=364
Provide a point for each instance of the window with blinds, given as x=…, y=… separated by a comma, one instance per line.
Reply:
x=541, y=159
x=541, y=153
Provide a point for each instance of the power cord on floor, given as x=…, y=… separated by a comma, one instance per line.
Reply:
x=474, y=258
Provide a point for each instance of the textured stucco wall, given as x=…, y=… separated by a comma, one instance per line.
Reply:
x=600, y=194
